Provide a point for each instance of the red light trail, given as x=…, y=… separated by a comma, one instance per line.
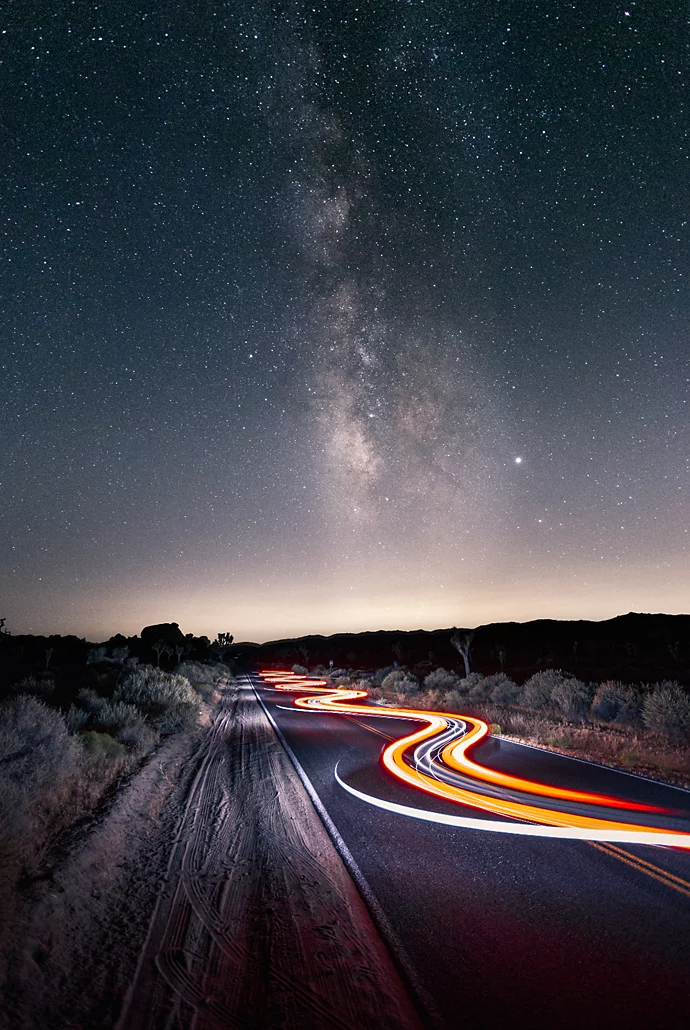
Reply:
x=435, y=760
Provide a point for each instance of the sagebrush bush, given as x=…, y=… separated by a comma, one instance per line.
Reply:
x=155, y=692
x=37, y=686
x=116, y=715
x=430, y=700
x=483, y=689
x=176, y=718
x=616, y=701
x=36, y=747
x=538, y=689
x=139, y=739
x=441, y=679
x=572, y=697
x=501, y=689
x=401, y=682
x=667, y=709
x=468, y=683
x=39, y=757
x=380, y=674
x=89, y=700
x=204, y=677
x=75, y=718
x=301, y=670
x=97, y=744
x=454, y=701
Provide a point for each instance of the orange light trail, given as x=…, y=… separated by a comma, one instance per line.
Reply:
x=438, y=752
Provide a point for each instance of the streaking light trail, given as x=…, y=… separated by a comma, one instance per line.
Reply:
x=435, y=760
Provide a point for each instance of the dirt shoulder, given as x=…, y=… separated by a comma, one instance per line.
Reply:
x=75, y=942
x=259, y=924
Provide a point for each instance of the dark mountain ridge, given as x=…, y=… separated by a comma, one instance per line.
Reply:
x=633, y=647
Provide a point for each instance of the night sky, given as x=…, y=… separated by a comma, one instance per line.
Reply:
x=323, y=317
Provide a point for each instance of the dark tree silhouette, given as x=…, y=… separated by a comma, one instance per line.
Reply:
x=462, y=642
x=161, y=647
x=221, y=645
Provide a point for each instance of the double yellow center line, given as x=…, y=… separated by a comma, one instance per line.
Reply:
x=676, y=883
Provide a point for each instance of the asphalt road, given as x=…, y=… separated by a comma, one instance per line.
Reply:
x=508, y=930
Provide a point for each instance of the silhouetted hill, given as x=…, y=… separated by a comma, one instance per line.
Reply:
x=632, y=647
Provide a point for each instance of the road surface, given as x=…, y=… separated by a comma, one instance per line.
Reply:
x=509, y=930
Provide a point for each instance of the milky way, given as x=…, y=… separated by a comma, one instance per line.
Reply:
x=288, y=290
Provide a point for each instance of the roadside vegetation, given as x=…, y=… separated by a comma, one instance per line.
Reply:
x=642, y=728
x=59, y=762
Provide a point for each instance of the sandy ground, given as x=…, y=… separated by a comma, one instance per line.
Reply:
x=208, y=895
x=76, y=943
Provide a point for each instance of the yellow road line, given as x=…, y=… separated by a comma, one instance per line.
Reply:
x=677, y=883
x=372, y=729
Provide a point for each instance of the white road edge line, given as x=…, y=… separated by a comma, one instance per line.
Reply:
x=423, y=1003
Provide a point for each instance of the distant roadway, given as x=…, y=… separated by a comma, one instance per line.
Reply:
x=510, y=931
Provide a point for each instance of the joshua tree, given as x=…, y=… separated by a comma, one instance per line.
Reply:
x=221, y=645
x=304, y=653
x=179, y=651
x=462, y=642
x=161, y=647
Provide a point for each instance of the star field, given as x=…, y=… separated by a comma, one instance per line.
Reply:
x=329, y=316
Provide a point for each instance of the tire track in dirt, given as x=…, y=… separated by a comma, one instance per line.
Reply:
x=259, y=924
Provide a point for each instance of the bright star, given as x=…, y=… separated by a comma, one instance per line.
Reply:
x=518, y=461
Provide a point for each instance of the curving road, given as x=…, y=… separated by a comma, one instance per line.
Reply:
x=503, y=928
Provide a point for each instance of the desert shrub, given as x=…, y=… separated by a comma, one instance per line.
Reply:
x=572, y=697
x=320, y=670
x=429, y=700
x=454, y=701
x=441, y=679
x=139, y=739
x=501, y=689
x=380, y=674
x=401, y=682
x=89, y=700
x=36, y=748
x=155, y=692
x=116, y=715
x=483, y=689
x=102, y=744
x=342, y=681
x=37, y=686
x=97, y=654
x=38, y=759
x=204, y=677
x=617, y=701
x=468, y=683
x=176, y=718
x=538, y=689
x=75, y=718
x=667, y=709
x=301, y=670
x=197, y=673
